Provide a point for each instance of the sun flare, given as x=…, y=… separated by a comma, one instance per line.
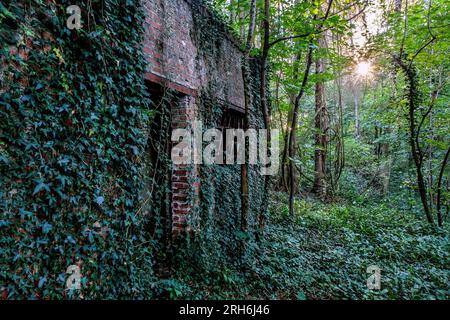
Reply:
x=363, y=68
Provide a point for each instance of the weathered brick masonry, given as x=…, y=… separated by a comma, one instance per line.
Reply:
x=176, y=62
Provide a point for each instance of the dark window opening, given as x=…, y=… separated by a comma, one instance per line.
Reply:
x=231, y=119
x=157, y=175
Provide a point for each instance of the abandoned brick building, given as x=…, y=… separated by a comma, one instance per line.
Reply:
x=192, y=53
x=80, y=141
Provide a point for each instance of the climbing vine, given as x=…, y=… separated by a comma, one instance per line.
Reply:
x=84, y=158
x=72, y=108
x=219, y=242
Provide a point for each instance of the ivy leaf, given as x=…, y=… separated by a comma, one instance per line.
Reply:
x=39, y=187
x=135, y=150
x=301, y=295
x=42, y=281
x=61, y=277
x=46, y=227
x=4, y=223
x=25, y=98
x=99, y=200
x=70, y=239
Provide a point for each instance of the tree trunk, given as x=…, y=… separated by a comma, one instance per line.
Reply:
x=263, y=93
x=295, y=112
x=247, y=103
x=357, y=120
x=386, y=166
x=416, y=153
x=294, y=128
x=241, y=17
x=284, y=161
x=439, y=188
x=321, y=126
x=251, y=27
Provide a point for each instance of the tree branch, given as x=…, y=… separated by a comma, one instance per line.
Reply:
x=320, y=30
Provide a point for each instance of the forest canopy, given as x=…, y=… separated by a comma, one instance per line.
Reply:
x=360, y=90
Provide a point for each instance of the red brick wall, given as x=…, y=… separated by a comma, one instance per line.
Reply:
x=173, y=54
x=175, y=61
x=185, y=188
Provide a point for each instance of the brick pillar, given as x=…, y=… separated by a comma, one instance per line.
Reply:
x=185, y=184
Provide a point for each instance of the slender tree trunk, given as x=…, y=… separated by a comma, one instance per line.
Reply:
x=284, y=157
x=385, y=155
x=247, y=103
x=413, y=139
x=386, y=166
x=264, y=57
x=356, y=110
x=430, y=165
x=339, y=146
x=284, y=163
x=321, y=126
x=294, y=128
x=282, y=182
x=295, y=112
x=251, y=27
x=263, y=93
x=241, y=23
x=439, y=188
x=339, y=149
x=418, y=162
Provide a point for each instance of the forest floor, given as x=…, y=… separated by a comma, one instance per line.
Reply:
x=325, y=251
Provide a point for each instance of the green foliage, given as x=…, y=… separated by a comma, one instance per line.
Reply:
x=217, y=221
x=219, y=240
x=325, y=252
x=338, y=242
x=77, y=176
x=72, y=109
x=84, y=164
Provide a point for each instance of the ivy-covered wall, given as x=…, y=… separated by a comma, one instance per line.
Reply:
x=76, y=125
x=192, y=51
x=218, y=217
x=71, y=144
x=190, y=46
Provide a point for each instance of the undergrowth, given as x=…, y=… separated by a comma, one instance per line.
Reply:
x=323, y=253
